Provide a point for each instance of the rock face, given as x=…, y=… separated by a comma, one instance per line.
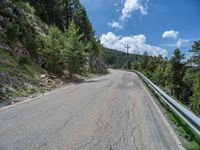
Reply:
x=21, y=69
x=1, y=18
x=12, y=80
x=98, y=65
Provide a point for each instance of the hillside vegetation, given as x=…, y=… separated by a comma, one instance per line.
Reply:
x=117, y=59
x=43, y=43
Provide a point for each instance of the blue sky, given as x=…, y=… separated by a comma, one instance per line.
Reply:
x=155, y=26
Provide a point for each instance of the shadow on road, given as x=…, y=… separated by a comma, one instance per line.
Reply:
x=90, y=81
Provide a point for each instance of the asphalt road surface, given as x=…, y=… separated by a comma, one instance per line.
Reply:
x=114, y=112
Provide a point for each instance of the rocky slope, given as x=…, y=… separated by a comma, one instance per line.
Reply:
x=21, y=72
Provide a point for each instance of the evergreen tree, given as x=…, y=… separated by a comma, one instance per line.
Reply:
x=51, y=11
x=144, y=61
x=196, y=53
x=158, y=76
x=195, y=99
x=51, y=48
x=69, y=8
x=177, y=74
x=73, y=12
x=75, y=50
x=167, y=74
x=82, y=21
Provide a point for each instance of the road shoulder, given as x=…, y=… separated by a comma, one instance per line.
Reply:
x=161, y=113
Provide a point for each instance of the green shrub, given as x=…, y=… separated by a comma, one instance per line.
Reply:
x=195, y=98
x=193, y=146
x=32, y=46
x=24, y=60
x=26, y=7
x=12, y=33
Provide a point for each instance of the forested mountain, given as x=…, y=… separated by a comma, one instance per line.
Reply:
x=179, y=77
x=39, y=36
x=118, y=59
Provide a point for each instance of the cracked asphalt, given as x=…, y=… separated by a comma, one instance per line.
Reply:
x=111, y=113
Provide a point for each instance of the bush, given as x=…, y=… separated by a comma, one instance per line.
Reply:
x=26, y=7
x=195, y=98
x=32, y=46
x=24, y=60
x=193, y=146
x=12, y=33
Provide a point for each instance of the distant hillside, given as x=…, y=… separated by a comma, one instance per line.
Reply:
x=118, y=59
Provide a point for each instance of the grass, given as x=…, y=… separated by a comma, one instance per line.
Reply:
x=26, y=73
x=190, y=140
x=6, y=61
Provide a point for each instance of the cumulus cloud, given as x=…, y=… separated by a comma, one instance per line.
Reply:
x=137, y=43
x=170, y=34
x=131, y=6
x=115, y=25
x=117, y=10
x=182, y=42
x=115, y=4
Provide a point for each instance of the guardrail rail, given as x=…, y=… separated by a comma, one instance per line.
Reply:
x=190, y=118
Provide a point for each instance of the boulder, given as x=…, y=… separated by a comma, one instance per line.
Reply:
x=43, y=76
x=97, y=65
x=8, y=12
x=11, y=90
x=1, y=18
x=5, y=47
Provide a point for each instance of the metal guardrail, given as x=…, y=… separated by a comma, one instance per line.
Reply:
x=190, y=118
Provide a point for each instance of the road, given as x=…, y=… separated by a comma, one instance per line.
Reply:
x=111, y=113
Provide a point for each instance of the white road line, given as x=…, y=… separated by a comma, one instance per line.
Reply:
x=37, y=97
x=46, y=94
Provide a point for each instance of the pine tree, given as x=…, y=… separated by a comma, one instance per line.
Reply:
x=82, y=21
x=177, y=74
x=73, y=8
x=196, y=53
x=195, y=99
x=145, y=60
x=167, y=74
x=51, y=11
x=75, y=50
x=69, y=8
x=51, y=48
x=158, y=76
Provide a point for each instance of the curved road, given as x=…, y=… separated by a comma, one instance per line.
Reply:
x=111, y=113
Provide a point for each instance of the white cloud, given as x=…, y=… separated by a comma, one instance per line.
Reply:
x=137, y=43
x=170, y=34
x=131, y=6
x=117, y=10
x=115, y=25
x=115, y=4
x=182, y=42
